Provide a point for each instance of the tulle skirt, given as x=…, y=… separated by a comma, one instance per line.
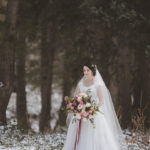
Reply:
x=98, y=138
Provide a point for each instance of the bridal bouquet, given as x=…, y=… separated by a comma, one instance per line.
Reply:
x=82, y=107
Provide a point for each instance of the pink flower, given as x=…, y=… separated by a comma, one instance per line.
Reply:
x=72, y=108
x=81, y=103
x=66, y=98
x=74, y=104
x=68, y=105
x=79, y=99
x=87, y=113
x=75, y=98
x=83, y=115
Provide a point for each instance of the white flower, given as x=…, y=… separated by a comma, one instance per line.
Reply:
x=88, y=105
x=91, y=116
x=78, y=116
x=79, y=107
x=83, y=94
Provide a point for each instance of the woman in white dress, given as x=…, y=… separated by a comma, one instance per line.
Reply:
x=107, y=134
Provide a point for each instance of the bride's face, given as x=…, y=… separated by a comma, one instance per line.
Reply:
x=87, y=72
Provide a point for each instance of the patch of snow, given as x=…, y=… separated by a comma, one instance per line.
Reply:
x=34, y=106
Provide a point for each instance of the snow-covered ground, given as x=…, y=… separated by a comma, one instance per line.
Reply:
x=12, y=138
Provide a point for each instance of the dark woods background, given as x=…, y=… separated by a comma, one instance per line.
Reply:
x=46, y=42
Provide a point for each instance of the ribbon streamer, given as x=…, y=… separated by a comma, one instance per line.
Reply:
x=77, y=135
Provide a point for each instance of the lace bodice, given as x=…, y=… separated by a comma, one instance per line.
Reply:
x=94, y=91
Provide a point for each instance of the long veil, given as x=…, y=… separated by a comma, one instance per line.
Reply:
x=109, y=112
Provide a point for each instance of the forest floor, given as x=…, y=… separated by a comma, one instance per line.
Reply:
x=12, y=138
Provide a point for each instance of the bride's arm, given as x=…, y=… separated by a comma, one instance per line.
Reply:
x=100, y=95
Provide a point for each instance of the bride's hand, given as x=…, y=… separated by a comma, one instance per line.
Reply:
x=99, y=105
x=82, y=94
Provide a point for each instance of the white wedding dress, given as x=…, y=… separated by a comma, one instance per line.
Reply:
x=102, y=137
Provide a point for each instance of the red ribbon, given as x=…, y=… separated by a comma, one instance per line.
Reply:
x=77, y=135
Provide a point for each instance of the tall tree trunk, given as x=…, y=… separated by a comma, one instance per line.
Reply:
x=142, y=85
x=22, y=116
x=47, y=57
x=66, y=92
x=7, y=53
x=124, y=82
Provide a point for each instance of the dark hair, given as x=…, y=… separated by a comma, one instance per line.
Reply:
x=91, y=66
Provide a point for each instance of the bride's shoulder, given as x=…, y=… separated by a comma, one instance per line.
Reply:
x=97, y=85
x=79, y=84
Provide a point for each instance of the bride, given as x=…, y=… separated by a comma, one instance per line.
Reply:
x=107, y=134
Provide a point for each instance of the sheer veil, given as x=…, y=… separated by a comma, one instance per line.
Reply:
x=109, y=112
